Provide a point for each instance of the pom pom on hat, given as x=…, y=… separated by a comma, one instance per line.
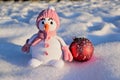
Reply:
x=48, y=13
x=52, y=8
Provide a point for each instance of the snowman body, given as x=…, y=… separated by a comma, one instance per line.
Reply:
x=47, y=50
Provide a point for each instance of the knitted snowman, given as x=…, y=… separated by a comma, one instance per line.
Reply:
x=47, y=48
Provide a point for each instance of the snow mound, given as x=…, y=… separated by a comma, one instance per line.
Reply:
x=104, y=65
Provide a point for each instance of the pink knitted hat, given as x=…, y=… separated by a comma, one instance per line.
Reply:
x=48, y=13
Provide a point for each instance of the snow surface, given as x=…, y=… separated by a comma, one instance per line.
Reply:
x=97, y=20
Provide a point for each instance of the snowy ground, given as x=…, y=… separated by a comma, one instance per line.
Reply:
x=98, y=21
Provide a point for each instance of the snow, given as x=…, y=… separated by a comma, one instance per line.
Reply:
x=97, y=20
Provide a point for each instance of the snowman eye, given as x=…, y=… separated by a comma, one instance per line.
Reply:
x=51, y=22
x=42, y=22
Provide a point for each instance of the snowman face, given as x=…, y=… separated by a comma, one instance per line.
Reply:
x=47, y=24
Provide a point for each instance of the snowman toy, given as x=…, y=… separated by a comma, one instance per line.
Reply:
x=46, y=47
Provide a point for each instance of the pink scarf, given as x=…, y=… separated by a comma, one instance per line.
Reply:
x=42, y=35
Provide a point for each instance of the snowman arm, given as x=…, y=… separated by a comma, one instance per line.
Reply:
x=26, y=46
x=61, y=41
x=67, y=54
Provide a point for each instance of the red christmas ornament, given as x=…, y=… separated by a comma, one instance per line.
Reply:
x=82, y=49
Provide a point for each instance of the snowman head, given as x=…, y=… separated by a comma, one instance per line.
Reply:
x=48, y=20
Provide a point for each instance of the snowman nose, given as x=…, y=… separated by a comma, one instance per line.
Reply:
x=46, y=27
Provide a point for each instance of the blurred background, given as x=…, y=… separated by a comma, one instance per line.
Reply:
x=40, y=0
x=45, y=0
